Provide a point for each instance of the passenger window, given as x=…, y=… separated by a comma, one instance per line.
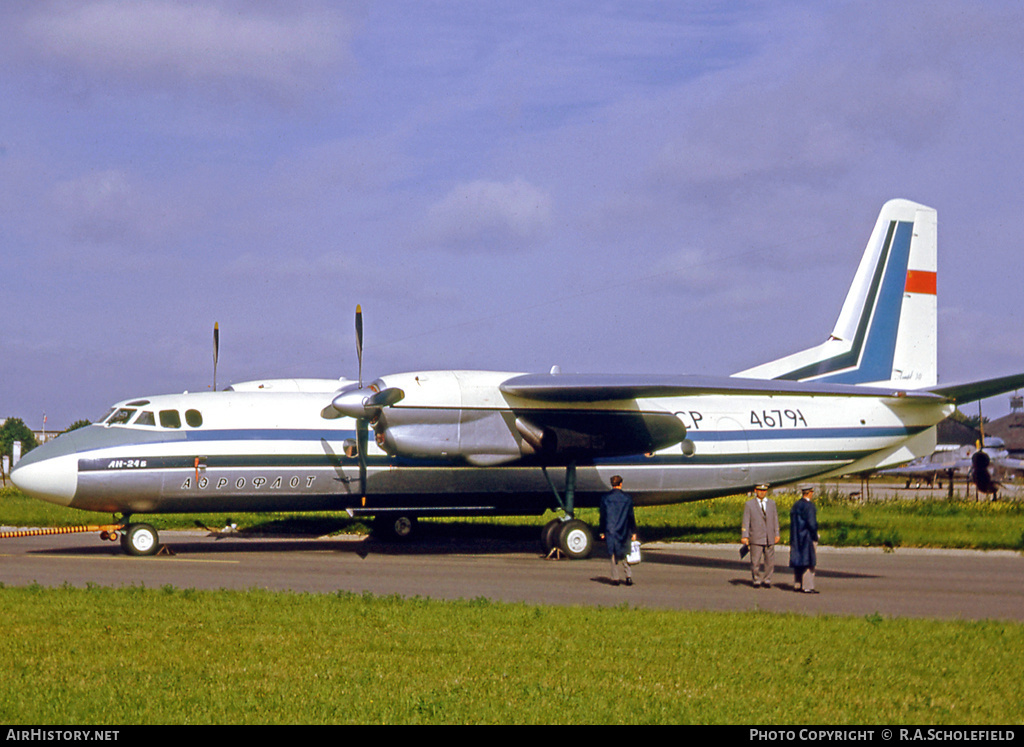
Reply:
x=146, y=418
x=193, y=418
x=170, y=419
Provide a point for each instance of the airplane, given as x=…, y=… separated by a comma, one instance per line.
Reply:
x=450, y=443
x=987, y=465
x=943, y=463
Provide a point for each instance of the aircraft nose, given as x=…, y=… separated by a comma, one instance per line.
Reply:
x=48, y=474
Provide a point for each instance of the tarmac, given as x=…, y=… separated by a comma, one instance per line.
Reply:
x=942, y=584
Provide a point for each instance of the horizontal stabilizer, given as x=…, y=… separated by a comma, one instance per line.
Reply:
x=963, y=393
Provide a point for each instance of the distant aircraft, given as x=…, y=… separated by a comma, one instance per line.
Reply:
x=490, y=443
x=942, y=464
x=986, y=467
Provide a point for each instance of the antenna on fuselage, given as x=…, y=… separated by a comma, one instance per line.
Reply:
x=216, y=352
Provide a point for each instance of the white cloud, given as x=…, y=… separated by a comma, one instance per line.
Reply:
x=490, y=215
x=99, y=207
x=162, y=43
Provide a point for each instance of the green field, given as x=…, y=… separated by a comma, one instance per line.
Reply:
x=169, y=656
x=98, y=656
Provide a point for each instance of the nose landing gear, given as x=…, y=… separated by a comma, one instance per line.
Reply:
x=140, y=539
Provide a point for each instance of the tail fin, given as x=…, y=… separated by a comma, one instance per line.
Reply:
x=887, y=330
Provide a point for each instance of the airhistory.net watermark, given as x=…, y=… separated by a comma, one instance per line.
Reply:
x=61, y=735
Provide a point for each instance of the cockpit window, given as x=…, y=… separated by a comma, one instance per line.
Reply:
x=109, y=413
x=194, y=418
x=121, y=416
x=170, y=419
x=146, y=418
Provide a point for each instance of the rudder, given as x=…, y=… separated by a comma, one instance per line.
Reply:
x=887, y=331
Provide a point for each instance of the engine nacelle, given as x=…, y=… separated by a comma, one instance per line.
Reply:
x=463, y=416
x=448, y=415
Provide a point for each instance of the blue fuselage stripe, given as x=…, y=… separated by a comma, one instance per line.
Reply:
x=785, y=434
x=766, y=434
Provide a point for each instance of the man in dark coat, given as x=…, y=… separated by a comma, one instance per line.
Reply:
x=618, y=527
x=803, y=540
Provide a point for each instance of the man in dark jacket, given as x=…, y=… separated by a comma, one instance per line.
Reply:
x=803, y=540
x=618, y=527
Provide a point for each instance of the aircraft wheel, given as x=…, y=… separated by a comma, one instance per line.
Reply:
x=395, y=527
x=140, y=539
x=549, y=534
x=576, y=539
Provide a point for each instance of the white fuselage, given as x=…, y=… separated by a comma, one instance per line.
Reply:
x=458, y=452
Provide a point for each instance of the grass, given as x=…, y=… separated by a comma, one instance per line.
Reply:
x=844, y=521
x=101, y=656
x=172, y=656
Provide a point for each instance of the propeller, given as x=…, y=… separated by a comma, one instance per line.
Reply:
x=980, y=462
x=364, y=406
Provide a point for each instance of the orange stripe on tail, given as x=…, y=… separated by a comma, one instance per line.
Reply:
x=921, y=281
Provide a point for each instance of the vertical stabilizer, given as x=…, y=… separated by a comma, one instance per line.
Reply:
x=887, y=329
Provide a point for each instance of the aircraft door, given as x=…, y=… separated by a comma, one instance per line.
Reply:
x=734, y=452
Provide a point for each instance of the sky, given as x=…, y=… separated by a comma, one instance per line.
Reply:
x=652, y=187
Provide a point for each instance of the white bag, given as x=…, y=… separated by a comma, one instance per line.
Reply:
x=634, y=553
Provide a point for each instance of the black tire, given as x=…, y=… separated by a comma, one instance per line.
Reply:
x=140, y=539
x=549, y=534
x=575, y=539
x=396, y=528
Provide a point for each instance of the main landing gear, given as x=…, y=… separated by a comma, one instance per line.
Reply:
x=394, y=527
x=568, y=535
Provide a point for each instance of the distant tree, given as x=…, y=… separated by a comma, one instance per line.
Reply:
x=14, y=429
x=76, y=425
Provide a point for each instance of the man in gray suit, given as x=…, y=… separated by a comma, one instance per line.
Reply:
x=760, y=533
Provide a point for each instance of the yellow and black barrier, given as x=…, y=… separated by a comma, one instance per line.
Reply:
x=107, y=531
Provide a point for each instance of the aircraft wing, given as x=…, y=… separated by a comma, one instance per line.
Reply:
x=1008, y=463
x=588, y=432
x=926, y=470
x=568, y=388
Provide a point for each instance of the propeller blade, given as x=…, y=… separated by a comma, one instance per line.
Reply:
x=359, y=341
x=216, y=352
x=384, y=398
x=362, y=435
